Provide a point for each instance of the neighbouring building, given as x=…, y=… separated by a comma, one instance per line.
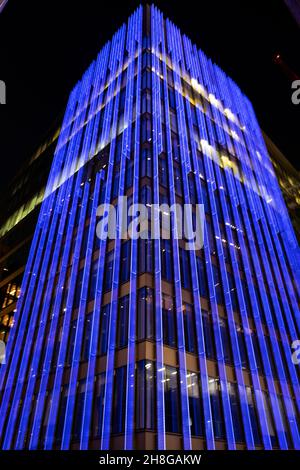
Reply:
x=289, y=181
x=19, y=208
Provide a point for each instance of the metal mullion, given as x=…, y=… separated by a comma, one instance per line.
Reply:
x=131, y=384
x=88, y=399
x=258, y=274
x=110, y=356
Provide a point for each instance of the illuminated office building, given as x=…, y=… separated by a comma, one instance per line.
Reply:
x=141, y=344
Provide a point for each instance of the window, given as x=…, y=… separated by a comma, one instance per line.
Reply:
x=166, y=260
x=284, y=421
x=211, y=238
x=129, y=174
x=87, y=337
x=122, y=326
x=172, y=100
x=185, y=269
x=145, y=395
x=204, y=193
x=145, y=327
x=98, y=405
x=119, y=404
x=192, y=188
x=175, y=148
x=257, y=353
x=146, y=79
x=189, y=328
x=173, y=121
x=169, y=321
x=195, y=404
x=146, y=130
x=217, y=414
x=172, y=400
x=246, y=297
x=146, y=102
x=115, y=188
x=104, y=327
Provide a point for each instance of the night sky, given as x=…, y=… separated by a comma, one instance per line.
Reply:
x=45, y=46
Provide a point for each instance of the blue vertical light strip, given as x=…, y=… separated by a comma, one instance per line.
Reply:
x=120, y=46
x=208, y=420
x=203, y=132
x=279, y=319
x=251, y=287
x=271, y=230
x=176, y=57
x=258, y=212
x=45, y=208
x=186, y=430
x=129, y=44
x=250, y=194
x=235, y=183
x=32, y=350
x=93, y=84
x=270, y=208
x=233, y=198
x=215, y=171
x=236, y=271
x=157, y=148
x=111, y=120
x=284, y=223
x=130, y=388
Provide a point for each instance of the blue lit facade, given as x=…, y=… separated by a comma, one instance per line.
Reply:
x=140, y=344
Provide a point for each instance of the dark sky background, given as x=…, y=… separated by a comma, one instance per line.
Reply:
x=45, y=46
